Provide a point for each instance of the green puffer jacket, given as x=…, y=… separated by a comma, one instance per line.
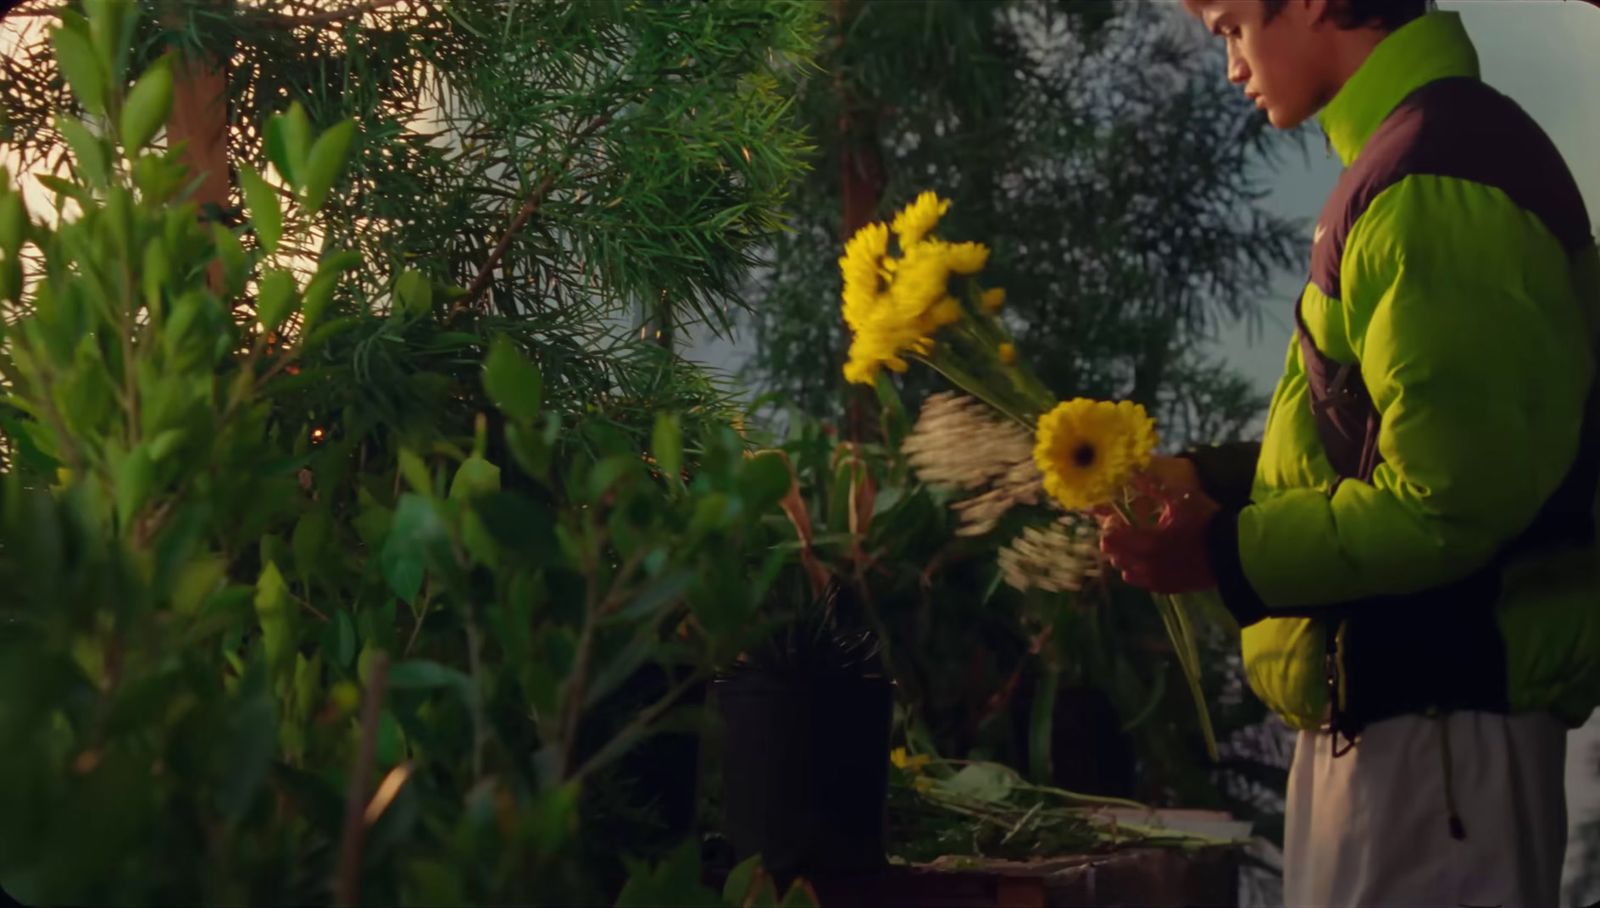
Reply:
x=1455, y=267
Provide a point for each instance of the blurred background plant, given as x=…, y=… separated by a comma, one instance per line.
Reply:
x=352, y=539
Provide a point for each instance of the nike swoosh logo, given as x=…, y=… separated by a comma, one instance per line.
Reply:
x=1316, y=237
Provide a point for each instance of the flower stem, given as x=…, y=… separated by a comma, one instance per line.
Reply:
x=1181, y=633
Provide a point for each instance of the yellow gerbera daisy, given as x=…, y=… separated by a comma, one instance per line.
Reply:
x=917, y=220
x=1088, y=450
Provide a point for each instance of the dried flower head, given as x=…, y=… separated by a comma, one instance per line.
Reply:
x=1055, y=558
x=959, y=443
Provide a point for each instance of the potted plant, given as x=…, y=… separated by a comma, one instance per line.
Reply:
x=806, y=719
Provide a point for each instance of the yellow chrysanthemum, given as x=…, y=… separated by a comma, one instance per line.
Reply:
x=915, y=221
x=1087, y=450
x=966, y=258
x=862, y=270
x=921, y=286
x=1008, y=354
x=992, y=300
x=894, y=306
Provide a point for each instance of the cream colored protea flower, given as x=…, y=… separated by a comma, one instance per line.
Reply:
x=959, y=443
x=1059, y=557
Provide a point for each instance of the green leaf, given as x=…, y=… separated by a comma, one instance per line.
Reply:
x=553, y=817
x=319, y=294
x=275, y=611
x=981, y=782
x=135, y=476
x=414, y=292
x=157, y=269
x=157, y=177
x=608, y=472
x=675, y=881
x=391, y=740
x=666, y=444
x=763, y=481
x=250, y=743
x=265, y=214
x=287, y=138
x=165, y=443
x=800, y=895
x=475, y=476
x=435, y=882
x=197, y=579
x=421, y=674
x=146, y=108
x=13, y=221
x=415, y=472
x=345, y=638
x=276, y=298
x=85, y=72
x=310, y=539
x=512, y=382
x=325, y=162
x=415, y=528
x=94, y=159
x=111, y=25
x=62, y=187
x=235, y=266
x=661, y=592
x=533, y=454
x=11, y=279
x=307, y=683
x=736, y=889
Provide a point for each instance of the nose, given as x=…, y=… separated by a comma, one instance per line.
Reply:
x=1238, y=70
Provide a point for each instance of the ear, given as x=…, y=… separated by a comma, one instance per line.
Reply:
x=1319, y=12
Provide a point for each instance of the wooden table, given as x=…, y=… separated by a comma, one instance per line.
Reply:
x=1146, y=877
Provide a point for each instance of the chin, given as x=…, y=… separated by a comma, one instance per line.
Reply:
x=1282, y=118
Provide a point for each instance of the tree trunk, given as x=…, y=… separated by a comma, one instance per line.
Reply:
x=861, y=182
x=199, y=118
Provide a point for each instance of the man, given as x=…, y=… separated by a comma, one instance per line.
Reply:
x=1410, y=548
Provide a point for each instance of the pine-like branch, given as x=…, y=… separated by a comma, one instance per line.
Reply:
x=527, y=211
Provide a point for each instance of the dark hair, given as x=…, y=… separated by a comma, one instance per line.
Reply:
x=1385, y=14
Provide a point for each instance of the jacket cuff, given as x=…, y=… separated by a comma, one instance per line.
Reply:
x=1226, y=471
x=1222, y=548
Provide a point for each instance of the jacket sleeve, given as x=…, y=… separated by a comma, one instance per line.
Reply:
x=1461, y=313
x=1227, y=471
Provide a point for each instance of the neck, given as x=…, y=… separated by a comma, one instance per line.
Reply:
x=1348, y=50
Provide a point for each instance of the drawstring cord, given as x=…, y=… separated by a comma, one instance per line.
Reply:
x=1458, y=830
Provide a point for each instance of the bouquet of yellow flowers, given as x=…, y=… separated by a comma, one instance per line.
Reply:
x=1008, y=440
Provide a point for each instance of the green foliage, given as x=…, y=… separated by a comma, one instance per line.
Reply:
x=630, y=156
x=275, y=544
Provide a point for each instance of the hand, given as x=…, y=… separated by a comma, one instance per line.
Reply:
x=1166, y=554
x=1175, y=474
x=1165, y=478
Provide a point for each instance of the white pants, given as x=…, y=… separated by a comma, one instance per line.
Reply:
x=1371, y=827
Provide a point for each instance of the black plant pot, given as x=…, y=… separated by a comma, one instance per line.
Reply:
x=805, y=770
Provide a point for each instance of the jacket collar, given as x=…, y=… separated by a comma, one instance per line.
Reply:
x=1424, y=50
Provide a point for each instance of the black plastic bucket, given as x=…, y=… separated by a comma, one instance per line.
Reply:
x=805, y=771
